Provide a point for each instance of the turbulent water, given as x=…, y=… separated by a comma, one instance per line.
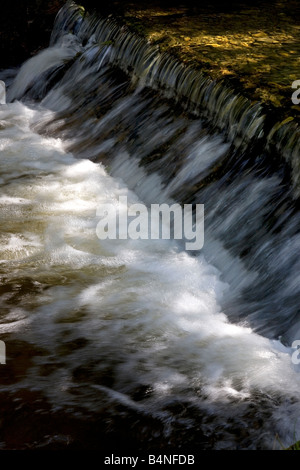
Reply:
x=177, y=348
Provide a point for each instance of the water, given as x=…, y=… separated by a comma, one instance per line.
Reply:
x=153, y=345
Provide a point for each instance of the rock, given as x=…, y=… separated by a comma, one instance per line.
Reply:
x=267, y=40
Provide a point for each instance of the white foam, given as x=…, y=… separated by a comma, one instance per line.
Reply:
x=152, y=303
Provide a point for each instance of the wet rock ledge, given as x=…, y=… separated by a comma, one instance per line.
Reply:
x=252, y=45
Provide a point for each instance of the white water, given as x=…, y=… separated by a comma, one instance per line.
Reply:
x=146, y=305
x=146, y=312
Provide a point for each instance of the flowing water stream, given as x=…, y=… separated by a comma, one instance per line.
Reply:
x=179, y=348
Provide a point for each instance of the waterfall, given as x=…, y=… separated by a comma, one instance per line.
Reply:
x=229, y=111
x=190, y=348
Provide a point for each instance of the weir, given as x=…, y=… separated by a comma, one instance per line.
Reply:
x=200, y=342
x=230, y=112
x=119, y=96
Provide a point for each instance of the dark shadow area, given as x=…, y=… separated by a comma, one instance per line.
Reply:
x=25, y=27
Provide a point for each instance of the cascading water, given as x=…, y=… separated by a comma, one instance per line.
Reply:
x=164, y=347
